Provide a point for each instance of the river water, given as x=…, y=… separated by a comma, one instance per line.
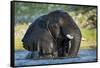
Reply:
x=83, y=56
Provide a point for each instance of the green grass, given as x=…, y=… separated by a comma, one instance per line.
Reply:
x=20, y=30
x=88, y=35
x=90, y=38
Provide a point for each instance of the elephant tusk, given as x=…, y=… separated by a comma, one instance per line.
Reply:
x=69, y=36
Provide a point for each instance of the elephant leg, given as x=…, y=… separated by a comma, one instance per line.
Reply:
x=75, y=45
x=32, y=55
x=54, y=50
x=67, y=48
x=61, y=51
x=64, y=51
x=59, y=48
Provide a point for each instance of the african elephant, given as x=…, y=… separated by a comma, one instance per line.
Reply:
x=48, y=33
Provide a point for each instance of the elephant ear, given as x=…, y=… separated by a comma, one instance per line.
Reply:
x=43, y=22
x=43, y=25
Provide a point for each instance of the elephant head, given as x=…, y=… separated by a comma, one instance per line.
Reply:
x=61, y=24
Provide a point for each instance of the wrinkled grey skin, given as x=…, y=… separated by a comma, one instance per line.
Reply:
x=47, y=33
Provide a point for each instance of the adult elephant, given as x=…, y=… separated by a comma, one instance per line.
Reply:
x=47, y=35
